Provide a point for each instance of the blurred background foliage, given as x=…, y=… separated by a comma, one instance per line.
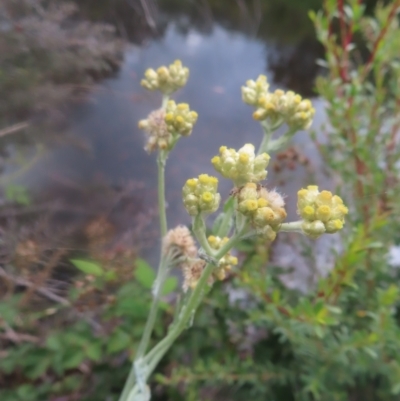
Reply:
x=74, y=292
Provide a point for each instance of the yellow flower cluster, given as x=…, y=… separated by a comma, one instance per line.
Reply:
x=254, y=91
x=279, y=106
x=322, y=212
x=241, y=166
x=227, y=261
x=162, y=127
x=266, y=209
x=200, y=195
x=179, y=118
x=166, y=79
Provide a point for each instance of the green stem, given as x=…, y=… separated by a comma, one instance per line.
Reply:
x=155, y=355
x=199, y=230
x=266, y=138
x=158, y=283
x=294, y=226
x=280, y=142
x=164, y=101
x=225, y=226
x=161, y=273
x=161, y=161
x=193, y=301
x=130, y=382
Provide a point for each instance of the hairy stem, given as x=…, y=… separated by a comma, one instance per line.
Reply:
x=199, y=230
x=266, y=138
x=294, y=226
x=161, y=161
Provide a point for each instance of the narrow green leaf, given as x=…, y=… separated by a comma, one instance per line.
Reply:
x=118, y=341
x=88, y=267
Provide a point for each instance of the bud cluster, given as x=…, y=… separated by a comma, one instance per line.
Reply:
x=179, y=118
x=241, y=166
x=200, y=195
x=322, y=212
x=166, y=79
x=227, y=261
x=254, y=91
x=266, y=209
x=163, y=127
x=279, y=106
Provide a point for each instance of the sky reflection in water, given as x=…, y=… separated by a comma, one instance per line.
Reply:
x=219, y=64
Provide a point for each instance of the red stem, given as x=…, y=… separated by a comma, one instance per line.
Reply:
x=380, y=37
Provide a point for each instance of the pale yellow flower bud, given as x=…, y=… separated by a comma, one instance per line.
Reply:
x=253, y=91
x=179, y=119
x=322, y=212
x=241, y=166
x=279, y=106
x=227, y=261
x=313, y=229
x=200, y=195
x=263, y=208
x=166, y=79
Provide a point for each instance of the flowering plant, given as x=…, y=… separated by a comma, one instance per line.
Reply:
x=252, y=210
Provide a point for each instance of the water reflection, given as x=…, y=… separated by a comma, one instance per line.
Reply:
x=219, y=63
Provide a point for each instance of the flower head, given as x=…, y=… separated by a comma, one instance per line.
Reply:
x=200, y=195
x=322, y=212
x=227, y=261
x=180, y=242
x=253, y=91
x=241, y=166
x=277, y=107
x=166, y=79
x=179, y=119
x=163, y=127
x=191, y=273
x=265, y=209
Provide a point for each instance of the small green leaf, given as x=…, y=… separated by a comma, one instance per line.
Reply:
x=144, y=273
x=170, y=285
x=396, y=389
x=110, y=276
x=229, y=203
x=94, y=351
x=74, y=359
x=319, y=331
x=371, y=352
x=88, y=267
x=276, y=295
x=53, y=342
x=118, y=341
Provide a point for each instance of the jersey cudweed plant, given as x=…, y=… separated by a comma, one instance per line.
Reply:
x=252, y=210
